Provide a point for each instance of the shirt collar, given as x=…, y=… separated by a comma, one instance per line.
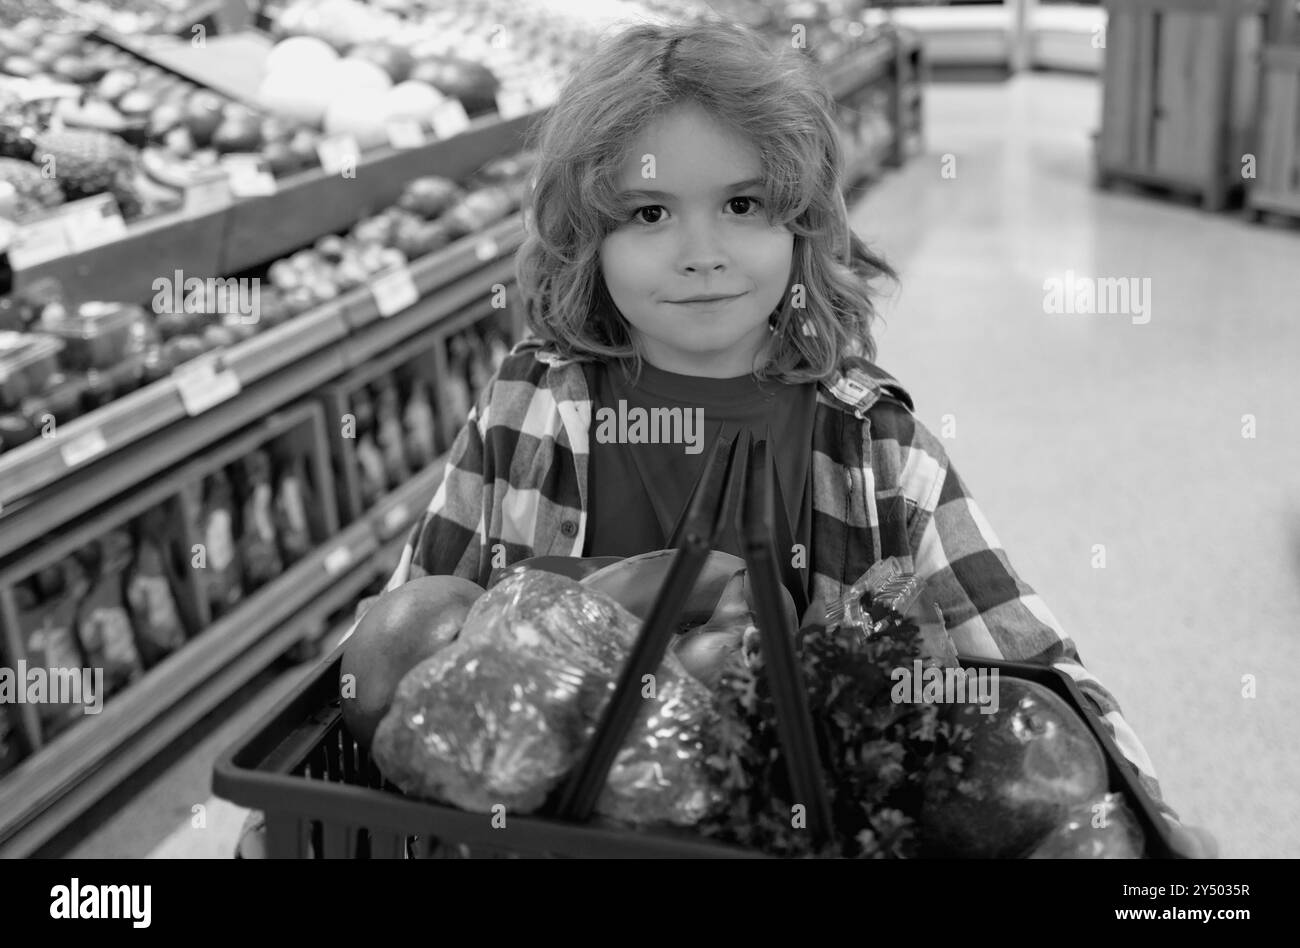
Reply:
x=855, y=388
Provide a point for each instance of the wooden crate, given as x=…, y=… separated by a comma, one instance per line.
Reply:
x=1276, y=188
x=1179, y=91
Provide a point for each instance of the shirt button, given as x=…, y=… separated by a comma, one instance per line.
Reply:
x=569, y=528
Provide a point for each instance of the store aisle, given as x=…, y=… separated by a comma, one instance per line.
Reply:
x=1078, y=433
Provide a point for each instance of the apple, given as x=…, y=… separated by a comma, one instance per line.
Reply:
x=203, y=114
x=401, y=629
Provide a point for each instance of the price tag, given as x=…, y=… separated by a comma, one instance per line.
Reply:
x=336, y=561
x=512, y=103
x=37, y=242
x=249, y=175
x=397, y=518
x=208, y=196
x=93, y=222
x=405, y=133
x=449, y=119
x=486, y=250
x=394, y=291
x=201, y=385
x=82, y=448
x=338, y=153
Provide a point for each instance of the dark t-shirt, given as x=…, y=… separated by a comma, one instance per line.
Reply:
x=639, y=490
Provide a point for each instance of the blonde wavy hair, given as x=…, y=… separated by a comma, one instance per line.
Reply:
x=774, y=98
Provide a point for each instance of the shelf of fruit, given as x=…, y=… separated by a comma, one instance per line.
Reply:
x=211, y=184
x=81, y=382
x=135, y=16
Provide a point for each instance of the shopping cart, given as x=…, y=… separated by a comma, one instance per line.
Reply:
x=323, y=796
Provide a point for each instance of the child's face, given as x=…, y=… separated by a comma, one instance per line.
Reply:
x=696, y=234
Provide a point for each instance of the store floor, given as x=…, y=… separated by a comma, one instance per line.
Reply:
x=1107, y=451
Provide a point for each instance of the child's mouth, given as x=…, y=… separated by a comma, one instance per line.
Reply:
x=707, y=303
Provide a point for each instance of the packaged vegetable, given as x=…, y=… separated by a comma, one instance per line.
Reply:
x=159, y=630
x=103, y=624
x=292, y=524
x=258, y=552
x=220, y=577
x=373, y=476
x=503, y=713
x=47, y=611
x=388, y=434
x=421, y=427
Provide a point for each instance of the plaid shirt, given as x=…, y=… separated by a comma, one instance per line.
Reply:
x=515, y=486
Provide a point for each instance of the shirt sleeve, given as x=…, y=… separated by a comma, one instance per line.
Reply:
x=990, y=612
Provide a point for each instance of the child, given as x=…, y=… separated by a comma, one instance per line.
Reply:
x=685, y=163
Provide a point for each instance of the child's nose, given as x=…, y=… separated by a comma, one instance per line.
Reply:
x=702, y=249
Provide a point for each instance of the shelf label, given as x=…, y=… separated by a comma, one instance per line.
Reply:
x=486, y=249
x=202, y=386
x=37, y=242
x=397, y=518
x=93, y=222
x=449, y=119
x=394, y=291
x=210, y=195
x=512, y=103
x=339, y=153
x=336, y=561
x=249, y=175
x=405, y=133
x=83, y=447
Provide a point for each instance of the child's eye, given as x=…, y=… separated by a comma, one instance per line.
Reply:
x=749, y=203
x=654, y=209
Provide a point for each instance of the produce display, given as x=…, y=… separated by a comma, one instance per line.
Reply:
x=475, y=698
x=110, y=606
x=113, y=122
x=124, y=602
x=59, y=360
x=128, y=16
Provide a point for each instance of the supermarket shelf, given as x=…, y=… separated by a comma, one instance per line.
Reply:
x=250, y=232
x=188, y=241
x=58, y=783
x=61, y=781
x=308, y=205
x=313, y=338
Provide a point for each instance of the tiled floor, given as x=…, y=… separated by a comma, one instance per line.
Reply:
x=1073, y=432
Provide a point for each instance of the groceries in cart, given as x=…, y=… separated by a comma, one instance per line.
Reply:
x=577, y=689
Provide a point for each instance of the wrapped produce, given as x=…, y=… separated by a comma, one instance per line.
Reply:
x=1101, y=828
x=502, y=715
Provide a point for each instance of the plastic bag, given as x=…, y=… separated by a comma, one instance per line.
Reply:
x=1102, y=828
x=503, y=714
